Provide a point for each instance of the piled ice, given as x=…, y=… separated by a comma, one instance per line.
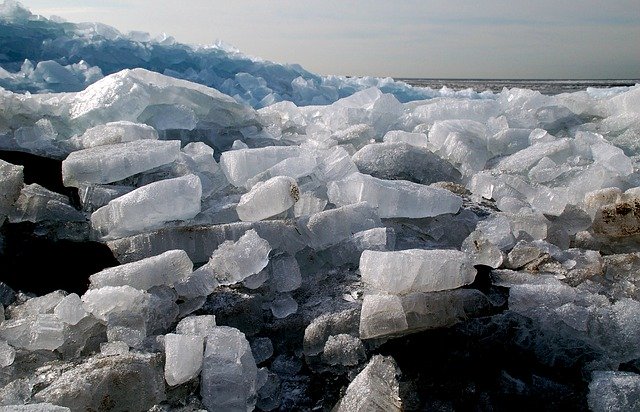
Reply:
x=360, y=221
x=69, y=57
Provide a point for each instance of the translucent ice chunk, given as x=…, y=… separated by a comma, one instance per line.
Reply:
x=11, y=181
x=524, y=160
x=333, y=226
x=229, y=372
x=335, y=164
x=184, y=354
x=397, y=198
x=283, y=306
x=39, y=332
x=285, y=274
x=382, y=315
x=308, y=204
x=268, y=198
x=376, y=388
x=462, y=142
x=114, y=132
x=93, y=197
x=414, y=139
x=36, y=204
x=150, y=206
x=241, y=165
x=451, y=108
x=234, y=261
x=110, y=301
x=165, y=269
x=70, y=309
x=202, y=325
x=114, y=348
x=110, y=163
x=415, y=270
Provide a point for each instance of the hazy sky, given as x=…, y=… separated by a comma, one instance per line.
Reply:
x=412, y=38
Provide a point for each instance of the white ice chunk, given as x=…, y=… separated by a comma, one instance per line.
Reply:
x=394, y=198
x=241, y=165
x=110, y=163
x=229, y=372
x=114, y=301
x=232, y=262
x=415, y=270
x=381, y=315
x=451, y=108
x=414, y=139
x=267, y=199
x=150, y=206
x=184, y=354
x=335, y=164
x=114, y=132
x=333, y=226
x=203, y=325
x=376, y=388
x=70, y=309
x=165, y=269
x=308, y=204
x=462, y=142
x=524, y=160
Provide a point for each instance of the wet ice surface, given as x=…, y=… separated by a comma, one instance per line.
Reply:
x=352, y=238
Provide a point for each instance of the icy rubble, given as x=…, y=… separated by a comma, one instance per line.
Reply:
x=614, y=391
x=358, y=222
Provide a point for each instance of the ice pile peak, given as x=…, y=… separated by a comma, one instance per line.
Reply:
x=43, y=55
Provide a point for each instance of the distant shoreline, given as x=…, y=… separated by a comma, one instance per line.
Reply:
x=544, y=86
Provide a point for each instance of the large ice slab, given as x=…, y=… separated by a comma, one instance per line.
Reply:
x=112, y=133
x=451, y=108
x=228, y=379
x=394, y=198
x=110, y=163
x=404, y=162
x=394, y=315
x=241, y=165
x=112, y=301
x=333, y=226
x=139, y=95
x=36, y=203
x=267, y=199
x=415, y=270
x=200, y=241
x=149, y=207
x=165, y=269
